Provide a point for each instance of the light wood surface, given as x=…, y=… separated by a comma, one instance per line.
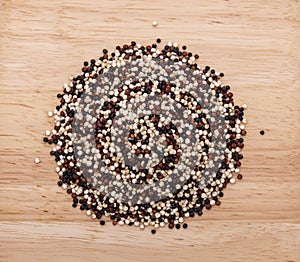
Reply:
x=255, y=43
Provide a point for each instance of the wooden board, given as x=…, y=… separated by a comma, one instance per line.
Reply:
x=255, y=43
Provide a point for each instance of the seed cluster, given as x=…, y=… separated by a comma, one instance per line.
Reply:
x=146, y=137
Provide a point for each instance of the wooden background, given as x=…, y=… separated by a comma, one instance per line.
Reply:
x=255, y=43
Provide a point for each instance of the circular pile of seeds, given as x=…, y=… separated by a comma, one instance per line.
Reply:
x=146, y=137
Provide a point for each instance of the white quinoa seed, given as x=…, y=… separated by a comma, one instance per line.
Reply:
x=154, y=23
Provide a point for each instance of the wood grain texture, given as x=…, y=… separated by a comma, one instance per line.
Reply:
x=255, y=43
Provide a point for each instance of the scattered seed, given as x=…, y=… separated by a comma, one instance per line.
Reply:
x=239, y=176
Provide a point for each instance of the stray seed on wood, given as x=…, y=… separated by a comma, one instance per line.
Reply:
x=154, y=23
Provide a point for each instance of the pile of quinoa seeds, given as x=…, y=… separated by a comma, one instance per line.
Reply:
x=145, y=137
